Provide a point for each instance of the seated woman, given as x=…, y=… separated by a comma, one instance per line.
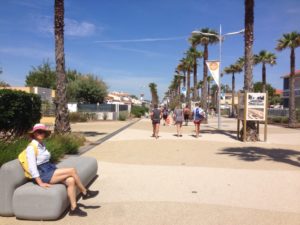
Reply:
x=44, y=173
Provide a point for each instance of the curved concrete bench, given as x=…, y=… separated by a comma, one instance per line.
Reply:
x=24, y=199
x=11, y=177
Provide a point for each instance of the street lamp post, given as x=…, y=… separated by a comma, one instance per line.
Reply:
x=221, y=38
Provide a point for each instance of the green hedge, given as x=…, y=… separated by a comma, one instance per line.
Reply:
x=58, y=145
x=138, y=111
x=19, y=111
x=123, y=116
x=82, y=117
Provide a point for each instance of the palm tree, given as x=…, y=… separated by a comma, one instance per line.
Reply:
x=205, y=40
x=153, y=90
x=264, y=57
x=232, y=69
x=193, y=53
x=189, y=61
x=177, y=83
x=181, y=67
x=249, y=37
x=291, y=41
x=199, y=85
x=241, y=62
x=251, y=131
x=62, y=124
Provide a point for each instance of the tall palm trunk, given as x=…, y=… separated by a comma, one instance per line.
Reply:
x=62, y=124
x=204, y=85
x=179, y=86
x=249, y=23
x=264, y=77
x=208, y=93
x=188, y=93
x=184, y=78
x=195, y=91
x=292, y=108
x=251, y=131
x=232, y=96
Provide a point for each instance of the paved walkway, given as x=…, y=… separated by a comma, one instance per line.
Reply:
x=176, y=181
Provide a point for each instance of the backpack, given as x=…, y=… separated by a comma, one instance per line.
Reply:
x=198, y=116
x=24, y=162
x=165, y=113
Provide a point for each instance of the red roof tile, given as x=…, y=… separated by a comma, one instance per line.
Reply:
x=278, y=92
x=297, y=73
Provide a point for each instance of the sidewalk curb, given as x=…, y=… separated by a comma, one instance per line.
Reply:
x=107, y=137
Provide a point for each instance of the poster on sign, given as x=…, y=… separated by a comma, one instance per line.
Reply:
x=256, y=106
x=252, y=106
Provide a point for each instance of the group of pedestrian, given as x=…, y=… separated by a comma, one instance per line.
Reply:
x=179, y=116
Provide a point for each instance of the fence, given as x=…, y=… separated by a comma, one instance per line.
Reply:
x=101, y=108
x=48, y=109
x=278, y=112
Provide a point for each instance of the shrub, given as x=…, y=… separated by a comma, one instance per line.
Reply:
x=19, y=111
x=89, y=116
x=10, y=151
x=105, y=116
x=81, y=117
x=58, y=146
x=285, y=120
x=76, y=117
x=276, y=119
x=138, y=111
x=123, y=116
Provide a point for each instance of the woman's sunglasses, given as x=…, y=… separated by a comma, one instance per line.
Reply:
x=40, y=132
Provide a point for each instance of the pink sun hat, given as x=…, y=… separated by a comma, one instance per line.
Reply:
x=39, y=126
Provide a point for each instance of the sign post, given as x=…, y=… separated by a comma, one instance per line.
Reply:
x=252, y=107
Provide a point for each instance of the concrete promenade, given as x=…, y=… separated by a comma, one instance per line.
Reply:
x=212, y=180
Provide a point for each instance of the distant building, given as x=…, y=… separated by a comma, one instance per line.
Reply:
x=46, y=94
x=286, y=89
x=122, y=98
x=226, y=100
x=278, y=92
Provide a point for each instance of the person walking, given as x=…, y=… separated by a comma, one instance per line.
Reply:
x=156, y=116
x=186, y=113
x=178, y=118
x=165, y=113
x=198, y=116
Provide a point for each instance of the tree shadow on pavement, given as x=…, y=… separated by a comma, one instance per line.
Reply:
x=228, y=133
x=252, y=154
x=92, y=133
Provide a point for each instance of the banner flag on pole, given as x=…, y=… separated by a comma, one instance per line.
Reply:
x=214, y=69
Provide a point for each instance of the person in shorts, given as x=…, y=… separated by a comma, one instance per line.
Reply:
x=186, y=113
x=165, y=114
x=156, y=116
x=45, y=174
x=198, y=116
x=178, y=118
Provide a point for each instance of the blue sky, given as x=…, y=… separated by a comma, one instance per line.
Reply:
x=160, y=28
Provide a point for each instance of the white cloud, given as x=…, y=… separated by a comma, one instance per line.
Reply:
x=79, y=29
x=144, y=40
x=73, y=27
x=144, y=52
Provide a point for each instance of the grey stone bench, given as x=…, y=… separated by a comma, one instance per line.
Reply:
x=24, y=199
